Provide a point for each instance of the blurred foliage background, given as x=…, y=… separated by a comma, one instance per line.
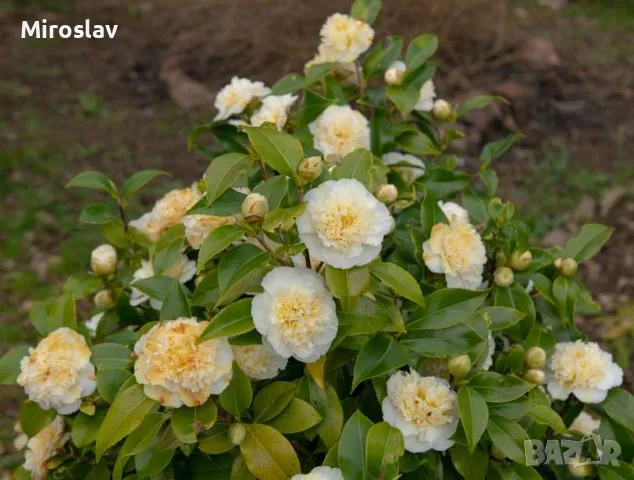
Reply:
x=127, y=104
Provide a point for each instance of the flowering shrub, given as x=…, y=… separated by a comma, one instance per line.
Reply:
x=337, y=298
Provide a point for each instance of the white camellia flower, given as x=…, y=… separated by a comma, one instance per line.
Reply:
x=344, y=38
x=409, y=174
x=585, y=424
x=103, y=260
x=198, y=227
x=274, y=109
x=93, y=323
x=234, y=98
x=44, y=445
x=457, y=251
x=259, y=362
x=174, y=370
x=295, y=314
x=167, y=212
x=320, y=473
x=582, y=369
x=57, y=373
x=423, y=409
x=454, y=212
x=184, y=269
x=343, y=224
x=426, y=97
x=489, y=360
x=340, y=130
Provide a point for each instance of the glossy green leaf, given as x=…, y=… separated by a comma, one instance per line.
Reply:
x=587, y=242
x=289, y=83
x=356, y=165
x=232, y=320
x=215, y=440
x=545, y=415
x=241, y=271
x=138, y=180
x=496, y=388
x=109, y=382
x=419, y=51
x=509, y=437
x=110, y=355
x=283, y=218
x=444, y=342
x=366, y=10
x=281, y=151
x=384, y=446
x=381, y=354
x=82, y=284
x=223, y=173
x=493, y=150
x=84, y=428
x=237, y=397
x=500, y=318
x=478, y=101
x=268, y=455
x=98, y=213
x=352, y=458
x=296, y=417
x=272, y=399
x=10, y=364
x=399, y=280
x=33, y=418
x=330, y=427
x=471, y=465
x=517, y=298
x=175, y=304
x=94, y=180
x=619, y=405
x=474, y=414
x=62, y=314
x=219, y=239
x=445, y=308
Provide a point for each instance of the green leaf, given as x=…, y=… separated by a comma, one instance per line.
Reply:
x=405, y=98
x=240, y=471
x=110, y=355
x=367, y=317
x=479, y=101
x=356, y=165
x=587, y=242
x=62, y=314
x=215, y=440
x=98, y=213
x=143, y=436
x=94, y=180
x=545, y=415
x=33, y=418
x=471, y=465
x=223, y=172
x=236, y=398
x=493, y=150
x=566, y=295
x=10, y=364
x=496, y=388
x=268, y=454
x=623, y=471
x=399, y=280
x=232, y=320
x=152, y=461
x=219, y=239
x=124, y=415
x=274, y=190
x=110, y=381
x=366, y=10
x=352, y=458
x=500, y=318
x=517, y=298
x=175, y=304
x=419, y=51
x=283, y=218
x=138, y=180
x=619, y=405
x=379, y=59
x=444, y=342
x=289, y=83
x=281, y=151
x=381, y=354
x=82, y=284
x=272, y=399
x=99, y=472
x=509, y=437
x=296, y=417
x=330, y=427
x=347, y=285
x=241, y=271
x=430, y=214
x=474, y=414
x=384, y=446
x=445, y=308
x=184, y=424
x=418, y=143
x=155, y=287
x=84, y=428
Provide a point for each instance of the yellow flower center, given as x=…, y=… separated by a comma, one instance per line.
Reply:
x=459, y=245
x=579, y=366
x=299, y=316
x=425, y=402
x=340, y=225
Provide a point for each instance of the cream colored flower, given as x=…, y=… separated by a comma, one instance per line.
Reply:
x=167, y=212
x=174, y=370
x=234, y=98
x=184, y=269
x=320, y=473
x=103, y=260
x=295, y=314
x=274, y=109
x=344, y=38
x=395, y=73
x=426, y=97
x=259, y=362
x=585, y=424
x=198, y=227
x=454, y=212
x=399, y=162
x=457, y=251
x=44, y=445
x=582, y=369
x=57, y=373
x=423, y=409
x=343, y=224
x=340, y=130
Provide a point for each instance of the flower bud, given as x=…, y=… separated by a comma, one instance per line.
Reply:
x=569, y=267
x=503, y=277
x=87, y=409
x=535, y=376
x=392, y=225
x=310, y=168
x=236, y=433
x=254, y=207
x=520, y=261
x=103, y=260
x=386, y=193
x=104, y=300
x=442, y=109
x=459, y=366
x=395, y=74
x=497, y=453
x=579, y=468
x=559, y=262
x=536, y=357
x=501, y=259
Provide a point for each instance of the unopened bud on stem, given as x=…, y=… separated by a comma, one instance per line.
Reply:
x=442, y=109
x=569, y=267
x=536, y=357
x=579, y=468
x=520, y=261
x=254, y=207
x=104, y=300
x=103, y=260
x=310, y=169
x=460, y=366
x=503, y=277
x=236, y=433
x=395, y=74
x=535, y=376
x=387, y=193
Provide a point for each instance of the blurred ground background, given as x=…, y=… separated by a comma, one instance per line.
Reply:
x=127, y=104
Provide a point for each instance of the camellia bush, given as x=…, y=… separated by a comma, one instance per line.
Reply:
x=337, y=298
